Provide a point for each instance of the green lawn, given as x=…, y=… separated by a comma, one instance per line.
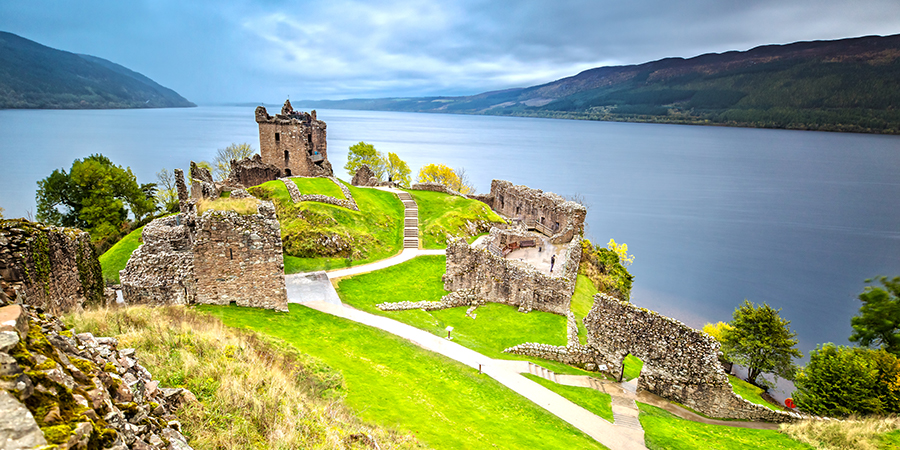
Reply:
x=117, y=256
x=396, y=384
x=582, y=301
x=495, y=328
x=633, y=366
x=319, y=236
x=664, y=431
x=750, y=392
x=441, y=214
x=318, y=185
x=599, y=403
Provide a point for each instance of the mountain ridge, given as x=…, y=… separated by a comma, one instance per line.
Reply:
x=35, y=76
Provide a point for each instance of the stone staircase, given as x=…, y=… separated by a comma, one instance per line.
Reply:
x=410, y=221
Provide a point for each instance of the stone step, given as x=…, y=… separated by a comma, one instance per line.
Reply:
x=627, y=422
x=410, y=243
x=411, y=232
x=623, y=401
x=404, y=196
x=411, y=213
x=411, y=222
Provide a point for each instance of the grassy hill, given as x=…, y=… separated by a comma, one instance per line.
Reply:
x=841, y=85
x=36, y=76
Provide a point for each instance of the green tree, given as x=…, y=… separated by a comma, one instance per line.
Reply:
x=362, y=153
x=221, y=167
x=761, y=341
x=92, y=196
x=878, y=321
x=166, y=196
x=839, y=381
x=396, y=169
x=453, y=179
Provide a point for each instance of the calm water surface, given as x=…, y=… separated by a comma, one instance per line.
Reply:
x=713, y=215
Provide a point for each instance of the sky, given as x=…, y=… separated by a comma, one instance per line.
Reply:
x=220, y=52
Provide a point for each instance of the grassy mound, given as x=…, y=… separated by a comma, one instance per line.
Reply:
x=255, y=391
x=394, y=383
x=441, y=214
x=665, y=431
x=495, y=327
x=599, y=403
x=751, y=393
x=115, y=259
x=318, y=185
x=318, y=236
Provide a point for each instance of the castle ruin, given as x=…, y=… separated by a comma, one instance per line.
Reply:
x=293, y=141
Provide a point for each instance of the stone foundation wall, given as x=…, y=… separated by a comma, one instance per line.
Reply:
x=252, y=171
x=49, y=267
x=238, y=259
x=498, y=280
x=435, y=187
x=680, y=363
x=558, y=218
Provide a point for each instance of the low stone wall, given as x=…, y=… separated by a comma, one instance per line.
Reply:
x=297, y=197
x=435, y=187
x=573, y=354
x=553, y=215
x=49, y=267
x=495, y=279
x=680, y=363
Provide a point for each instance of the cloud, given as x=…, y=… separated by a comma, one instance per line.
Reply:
x=265, y=49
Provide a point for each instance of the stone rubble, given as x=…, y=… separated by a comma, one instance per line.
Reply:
x=78, y=391
x=347, y=202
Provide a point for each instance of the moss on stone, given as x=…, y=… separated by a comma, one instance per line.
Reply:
x=46, y=365
x=83, y=365
x=110, y=367
x=57, y=434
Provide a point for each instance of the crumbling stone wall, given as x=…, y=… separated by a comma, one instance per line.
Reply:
x=252, y=171
x=161, y=270
x=239, y=259
x=680, y=363
x=293, y=141
x=49, y=267
x=364, y=176
x=573, y=353
x=549, y=213
x=202, y=184
x=436, y=187
x=482, y=274
x=296, y=196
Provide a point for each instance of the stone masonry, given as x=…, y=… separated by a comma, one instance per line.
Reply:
x=218, y=257
x=49, y=267
x=680, y=363
x=549, y=213
x=293, y=141
x=252, y=172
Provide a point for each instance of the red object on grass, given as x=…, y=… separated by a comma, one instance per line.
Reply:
x=789, y=402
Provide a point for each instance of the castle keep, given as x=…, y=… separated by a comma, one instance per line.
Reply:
x=293, y=141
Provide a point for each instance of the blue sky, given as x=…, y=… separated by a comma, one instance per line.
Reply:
x=264, y=50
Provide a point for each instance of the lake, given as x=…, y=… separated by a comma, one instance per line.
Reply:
x=713, y=215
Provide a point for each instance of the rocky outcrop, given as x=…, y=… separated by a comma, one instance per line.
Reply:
x=78, y=391
x=49, y=267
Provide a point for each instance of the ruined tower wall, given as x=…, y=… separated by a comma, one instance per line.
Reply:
x=293, y=141
x=548, y=212
x=55, y=268
x=237, y=258
x=161, y=270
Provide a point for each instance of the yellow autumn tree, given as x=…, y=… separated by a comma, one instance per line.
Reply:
x=622, y=251
x=396, y=169
x=439, y=173
x=717, y=330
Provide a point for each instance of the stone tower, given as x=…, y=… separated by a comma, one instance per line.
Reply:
x=293, y=141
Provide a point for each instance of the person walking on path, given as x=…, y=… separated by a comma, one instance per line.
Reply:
x=552, y=261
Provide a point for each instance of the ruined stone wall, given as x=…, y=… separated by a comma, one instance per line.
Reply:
x=238, y=258
x=252, y=171
x=49, y=267
x=480, y=273
x=560, y=219
x=293, y=141
x=202, y=184
x=680, y=363
x=436, y=187
x=161, y=270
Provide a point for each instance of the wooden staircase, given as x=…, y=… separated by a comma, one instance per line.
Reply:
x=410, y=221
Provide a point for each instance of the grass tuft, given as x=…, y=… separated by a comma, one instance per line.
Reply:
x=243, y=206
x=853, y=434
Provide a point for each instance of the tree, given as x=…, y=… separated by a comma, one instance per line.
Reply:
x=762, y=341
x=717, y=330
x=878, y=321
x=439, y=173
x=221, y=167
x=1, y=213
x=166, y=195
x=622, y=251
x=839, y=381
x=91, y=196
x=396, y=169
x=363, y=153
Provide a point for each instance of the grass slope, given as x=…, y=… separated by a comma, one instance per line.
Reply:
x=115, y=259
x=750, y=392
x=582, y=301
x=318, y=185
x=495, y=328
x=664, y=431
x=599, y=403
x=394, y=383
x=318, y=236
x=441, y=214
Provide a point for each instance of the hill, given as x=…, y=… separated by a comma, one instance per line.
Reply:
x=841, y=85
x=39, y=77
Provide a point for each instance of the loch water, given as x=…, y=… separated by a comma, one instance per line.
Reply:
x=713, y=215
